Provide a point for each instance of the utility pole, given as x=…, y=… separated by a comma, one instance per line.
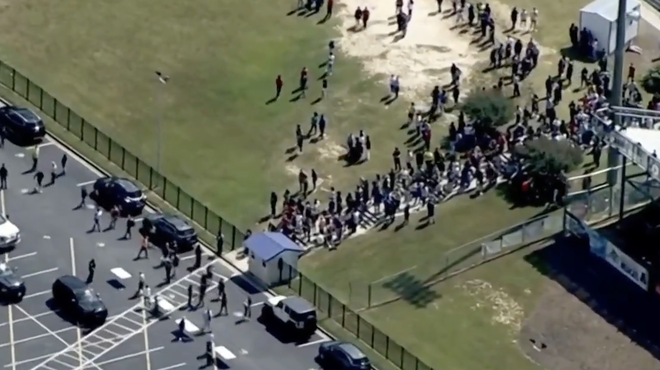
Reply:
x=614, y=157
x=162, y=80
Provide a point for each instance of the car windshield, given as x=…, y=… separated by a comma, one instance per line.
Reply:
x=86, y=295
x=130, y=189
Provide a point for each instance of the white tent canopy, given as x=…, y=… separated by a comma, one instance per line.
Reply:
x=600, y=17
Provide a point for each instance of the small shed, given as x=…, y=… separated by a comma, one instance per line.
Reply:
x=600, y=18
x=273, y=257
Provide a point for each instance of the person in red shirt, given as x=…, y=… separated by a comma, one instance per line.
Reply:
x=278, y=86
x=365, y=17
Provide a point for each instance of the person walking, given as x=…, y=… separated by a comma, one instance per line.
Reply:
x=114, y=216
x=208, y=316
x=223, y=304
x=83, y=197
x=39, y=178
x=3, y=177
x=97, y=220
x=180, y=333
x=144, y=247
x=130, y=223
x=190, y=296
x=35, y=158
x=279, y=83
x=198, y=257
x=141, y=285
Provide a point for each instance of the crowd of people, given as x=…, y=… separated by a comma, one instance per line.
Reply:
x=475, y=160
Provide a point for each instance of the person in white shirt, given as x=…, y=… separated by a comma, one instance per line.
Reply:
x=97, y=219
x=330, y=64
x=53, y=172
x=534, y=17
x=411, y=3
x=523, y=19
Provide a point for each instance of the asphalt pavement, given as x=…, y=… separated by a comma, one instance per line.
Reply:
x=56, y=240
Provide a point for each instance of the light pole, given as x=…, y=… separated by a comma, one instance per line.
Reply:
x=162, y=80
x=614, y=158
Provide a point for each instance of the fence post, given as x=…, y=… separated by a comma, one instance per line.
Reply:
x=178, y=196
x=343, y=315
x=96, y=136
x=369, y=291
x=68, y=123
x=41, y=99
x=123, y=157
x=13, y=80
x=206, y=217
x=300, y=279
x=27, y=89
x=151, y=179
x=314, y=291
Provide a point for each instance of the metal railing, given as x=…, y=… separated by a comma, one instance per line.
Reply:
x=117, y=154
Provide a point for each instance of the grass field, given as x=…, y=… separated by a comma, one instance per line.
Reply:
x=226, y=146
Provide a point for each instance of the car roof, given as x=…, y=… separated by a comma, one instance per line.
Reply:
x=351, y=350
x=72, y=282
x=298, y=304
x=26, y=114
x=177, y=222
x=127, y=184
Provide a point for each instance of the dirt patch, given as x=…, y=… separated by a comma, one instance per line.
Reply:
x=569, y=335
x=329, y=149
x=505, y=310
x=421, y=59
x=292, y=170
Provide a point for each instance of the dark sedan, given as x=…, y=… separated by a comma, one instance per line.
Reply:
x=114, y=191
x=337, y=355
x=21, y=123
x=171, y=229
x=12, y=288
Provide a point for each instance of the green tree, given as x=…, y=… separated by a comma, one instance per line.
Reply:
x=546, y=163
x=489, y=108
x=651, y=80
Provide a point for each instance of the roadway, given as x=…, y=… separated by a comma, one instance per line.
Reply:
x=56, y=240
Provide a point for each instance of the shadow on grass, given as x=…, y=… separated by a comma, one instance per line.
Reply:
x=603, y=288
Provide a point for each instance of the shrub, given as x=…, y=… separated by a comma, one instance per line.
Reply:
x=489, y=108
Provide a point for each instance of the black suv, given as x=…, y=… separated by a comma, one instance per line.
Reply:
x=163, y=229
x=296, y=314
x=12, y=288
x=22, y=124
x=114, y=191
x=79, y=301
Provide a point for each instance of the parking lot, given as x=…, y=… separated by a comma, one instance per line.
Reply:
x=56, y=241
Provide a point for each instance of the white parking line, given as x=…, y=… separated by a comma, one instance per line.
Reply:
x=37, y=294
x=121, y=358
x=173, y=366
x=322, y=340
x=86, y=183
x=22, y=256
x=29, y=318
x=47, y=143
x=40, y=273
x=2, y=345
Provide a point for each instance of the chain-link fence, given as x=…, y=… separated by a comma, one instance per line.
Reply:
x=329, y=307
x=121, y=157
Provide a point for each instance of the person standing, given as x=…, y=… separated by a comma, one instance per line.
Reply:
x=53, y=172
x=278, y=86
x=167, y=264
x=91, y=269
x=3, y=177
x=365, y=17
x=247, y=308
x=63, y=162
x=198, y=257
x=190, y=296
x=208, y=316
x=35, y=158
x=114, y=216
x=219, y=241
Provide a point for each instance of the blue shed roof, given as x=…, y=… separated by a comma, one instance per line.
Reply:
x=268, y=245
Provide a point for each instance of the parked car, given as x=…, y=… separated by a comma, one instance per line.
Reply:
x=10, y=235
x=109, y=192
x=296, y=314
x=12, y=287
x=165, y=228
x=338, y=355
x=79, y=301
x=21, y=123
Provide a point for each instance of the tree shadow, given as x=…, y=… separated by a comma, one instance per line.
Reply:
x=573, y=53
